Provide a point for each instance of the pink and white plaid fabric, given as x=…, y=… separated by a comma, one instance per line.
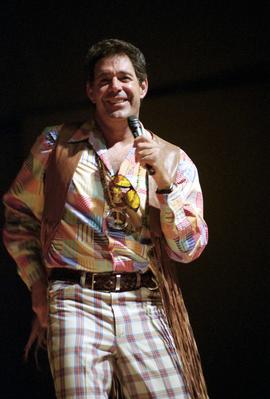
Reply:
x=93, y=334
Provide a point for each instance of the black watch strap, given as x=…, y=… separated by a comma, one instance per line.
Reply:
x=165, y=190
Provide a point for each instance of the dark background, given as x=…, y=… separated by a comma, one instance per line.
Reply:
x=208, y=68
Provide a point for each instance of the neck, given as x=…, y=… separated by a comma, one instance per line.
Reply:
x=115, y=131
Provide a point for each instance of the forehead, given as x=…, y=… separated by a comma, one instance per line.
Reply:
x=114, y=64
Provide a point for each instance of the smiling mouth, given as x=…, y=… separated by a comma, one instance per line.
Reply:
x=116, y=100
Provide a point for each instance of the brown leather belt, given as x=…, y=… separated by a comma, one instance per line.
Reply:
x=108, y=282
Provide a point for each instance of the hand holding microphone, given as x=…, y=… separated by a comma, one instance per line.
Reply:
x=136, y=130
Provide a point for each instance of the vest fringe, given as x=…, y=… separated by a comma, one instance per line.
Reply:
x=179, y=323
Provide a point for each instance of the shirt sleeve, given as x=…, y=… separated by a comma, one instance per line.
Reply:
x=23, y=210
x=181, y=216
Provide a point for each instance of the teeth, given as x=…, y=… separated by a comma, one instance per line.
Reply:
x=117, y=101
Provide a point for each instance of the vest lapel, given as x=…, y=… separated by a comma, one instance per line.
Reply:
x=61, y=166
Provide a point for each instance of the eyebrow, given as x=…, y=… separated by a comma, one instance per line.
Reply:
x=108, y=73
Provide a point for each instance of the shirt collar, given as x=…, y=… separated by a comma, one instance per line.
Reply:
x=89, y=131
x=82, y=133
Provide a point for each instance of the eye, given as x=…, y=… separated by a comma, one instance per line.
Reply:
x=104, y=82
x=125, y=79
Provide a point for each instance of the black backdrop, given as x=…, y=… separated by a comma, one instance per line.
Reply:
x=209, y=93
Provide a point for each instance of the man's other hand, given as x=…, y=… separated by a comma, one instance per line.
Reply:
x=39, y=302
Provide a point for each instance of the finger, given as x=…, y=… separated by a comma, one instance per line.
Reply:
x=142, y=140
x=42, y=314
x=43, y=317
x=144, y=156
x=145, y=153
x=35, y=332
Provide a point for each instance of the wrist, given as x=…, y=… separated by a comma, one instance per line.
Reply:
x=166, y=190
x=39, y=284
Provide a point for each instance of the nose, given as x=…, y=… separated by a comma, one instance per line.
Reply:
x=115, y=84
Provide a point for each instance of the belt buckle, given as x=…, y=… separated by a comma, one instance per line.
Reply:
x=117, y=282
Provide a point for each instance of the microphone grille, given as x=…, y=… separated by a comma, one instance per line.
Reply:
x=133, y=123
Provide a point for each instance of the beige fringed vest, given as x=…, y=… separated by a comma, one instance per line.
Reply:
x=60, y=169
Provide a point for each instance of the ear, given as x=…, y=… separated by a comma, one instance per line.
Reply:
x=90, y=92
x=144, y=88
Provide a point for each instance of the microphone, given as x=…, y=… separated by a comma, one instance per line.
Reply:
x=135, y=126
x=136, y=129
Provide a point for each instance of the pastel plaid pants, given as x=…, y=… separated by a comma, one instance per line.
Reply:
x=93, y=335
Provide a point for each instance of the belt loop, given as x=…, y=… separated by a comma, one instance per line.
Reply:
x=118, y=282
x=155, y=286
x=138, y=280
x=93, y=281
x=83, y=279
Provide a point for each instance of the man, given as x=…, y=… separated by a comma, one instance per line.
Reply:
x=80, y=226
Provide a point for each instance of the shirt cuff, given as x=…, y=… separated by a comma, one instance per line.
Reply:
x=172, y=199
x=172, y=208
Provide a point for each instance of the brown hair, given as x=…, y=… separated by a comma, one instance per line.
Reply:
x=109, y=47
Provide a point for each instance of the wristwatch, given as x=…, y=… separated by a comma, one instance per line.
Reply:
x=165, y=190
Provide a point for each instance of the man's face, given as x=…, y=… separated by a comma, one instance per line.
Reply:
x=116, y=90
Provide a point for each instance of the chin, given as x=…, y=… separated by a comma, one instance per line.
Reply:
x=119, y=115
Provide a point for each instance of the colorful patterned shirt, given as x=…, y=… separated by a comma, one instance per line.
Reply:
x=83, y=239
